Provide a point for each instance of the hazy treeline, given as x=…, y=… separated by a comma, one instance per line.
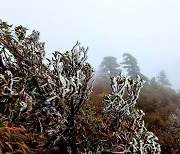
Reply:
x=110, y=67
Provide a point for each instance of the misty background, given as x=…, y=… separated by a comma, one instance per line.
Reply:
x=147, y=29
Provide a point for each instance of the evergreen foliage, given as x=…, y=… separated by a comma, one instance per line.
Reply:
x=162, y=79
x=153, y=81
x=130, y=64
x=108, y=67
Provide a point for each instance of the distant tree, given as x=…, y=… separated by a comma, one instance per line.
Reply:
x=145, y=78
x=130, y=63
x=108, y=67
x=153, y=81
x=162, y=79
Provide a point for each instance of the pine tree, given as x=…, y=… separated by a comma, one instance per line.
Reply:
x=130, y=64
x=153, y=81
x=162, y=79
x=108, y=67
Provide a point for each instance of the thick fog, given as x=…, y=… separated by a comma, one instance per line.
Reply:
x=147, y=29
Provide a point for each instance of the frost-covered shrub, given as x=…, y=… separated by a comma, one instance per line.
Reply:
x=174, y=127
x=45, y=97
x=21, y=70
x=69, y=88
x=125, y=122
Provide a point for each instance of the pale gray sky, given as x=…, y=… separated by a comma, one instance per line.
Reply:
x=147, y=29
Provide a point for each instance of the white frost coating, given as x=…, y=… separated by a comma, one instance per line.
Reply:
x=60, y=67
x=23, y=106
x=63, y=80
x=3, y=78
x=78, y=78
x=50, y=99
x=16, y=79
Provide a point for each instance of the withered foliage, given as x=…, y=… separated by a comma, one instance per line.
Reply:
x=48, y=100
x=13, y=139
x=160, y=105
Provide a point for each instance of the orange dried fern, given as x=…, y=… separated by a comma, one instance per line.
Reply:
x=13, y=139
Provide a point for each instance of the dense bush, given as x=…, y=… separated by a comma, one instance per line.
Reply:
x=160, y=106
x=125, y=121
x=48, y=101
x=44, y=97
